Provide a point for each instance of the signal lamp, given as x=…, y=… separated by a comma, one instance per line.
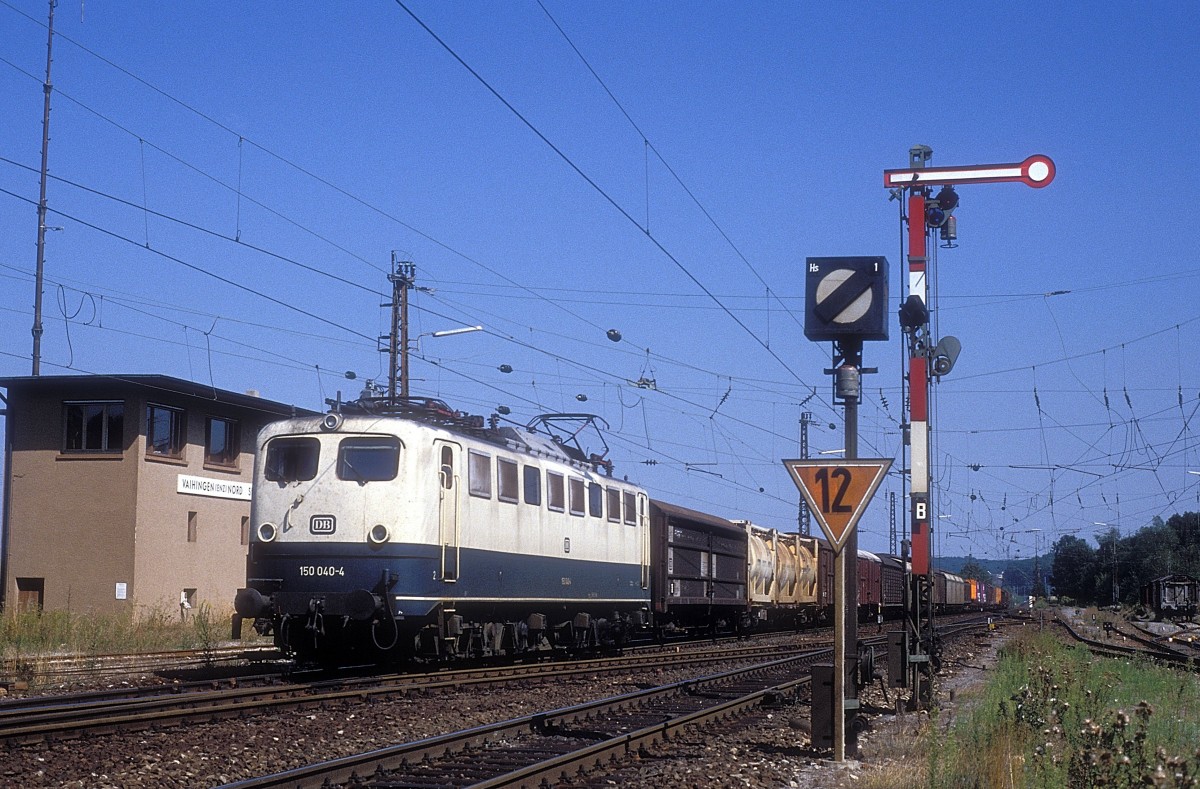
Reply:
x=913, y=313
x=934, y=215
x=947, y=198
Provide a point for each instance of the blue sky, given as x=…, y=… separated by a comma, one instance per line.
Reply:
x=231, y=181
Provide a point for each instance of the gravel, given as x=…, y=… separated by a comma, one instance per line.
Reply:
x=769, y=749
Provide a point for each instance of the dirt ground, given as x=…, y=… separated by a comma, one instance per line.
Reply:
x=894, y=750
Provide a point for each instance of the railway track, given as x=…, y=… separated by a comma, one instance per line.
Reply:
x=543, y=748
x=1145, y=648
x=68, y=668
x=556, y=746
x=38, y=719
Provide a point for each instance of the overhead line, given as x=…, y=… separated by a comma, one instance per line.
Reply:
x=687, y=190
x=595, y=186
x=199, y=269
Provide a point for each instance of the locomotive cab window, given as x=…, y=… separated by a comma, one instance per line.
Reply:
x=368, y=459
x=630, y=508
x=292, y=459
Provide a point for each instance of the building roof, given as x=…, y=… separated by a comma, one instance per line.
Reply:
x=160, y=383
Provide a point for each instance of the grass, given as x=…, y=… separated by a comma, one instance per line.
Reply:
x=1054, y=716
x=28, y=638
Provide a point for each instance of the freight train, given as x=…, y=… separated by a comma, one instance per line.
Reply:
x=391, y=530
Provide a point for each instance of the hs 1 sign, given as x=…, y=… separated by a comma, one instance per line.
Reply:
x=846, y=297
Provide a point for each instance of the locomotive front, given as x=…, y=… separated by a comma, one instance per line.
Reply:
x=341, y=539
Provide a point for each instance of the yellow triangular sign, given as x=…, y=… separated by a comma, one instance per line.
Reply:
x=838, y=491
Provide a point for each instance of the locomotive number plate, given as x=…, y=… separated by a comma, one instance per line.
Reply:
x=325, y=571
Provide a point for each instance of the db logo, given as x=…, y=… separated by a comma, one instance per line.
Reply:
x=322, y=524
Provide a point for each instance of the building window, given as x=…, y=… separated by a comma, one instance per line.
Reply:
x=31, y=594
x=165, y=433
x=221, y=442
x=95, y=426
x=555, y=494
x=575, y=487
x=479, y=474
x=193, y=519
x=368, y=459
x=187, y=601
x=506, y=480
x=533, y=485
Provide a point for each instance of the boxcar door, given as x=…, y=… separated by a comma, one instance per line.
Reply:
x=449, y=457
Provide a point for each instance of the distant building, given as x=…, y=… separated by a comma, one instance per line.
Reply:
x=126, y=491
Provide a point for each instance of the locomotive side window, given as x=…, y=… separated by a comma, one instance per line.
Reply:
x=447, y=469
x=595, y=500
x=506, y=480
x=479, y=474
x=292, y=459
x=555, y=494
x=614, y=505
x=576, y=491
x=368, y=459
x=630, y=508
x=533, y=485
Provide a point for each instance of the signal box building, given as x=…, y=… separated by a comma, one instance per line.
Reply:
x=126, y=492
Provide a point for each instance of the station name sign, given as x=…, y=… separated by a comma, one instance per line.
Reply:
x=217, y=488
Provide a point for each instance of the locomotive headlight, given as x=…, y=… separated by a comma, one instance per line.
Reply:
x=379, y=534
x=267, y=532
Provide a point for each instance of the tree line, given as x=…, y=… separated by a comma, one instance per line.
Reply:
x=1114, y=571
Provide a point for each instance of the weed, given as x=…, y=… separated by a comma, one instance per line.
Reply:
x=1049, y=720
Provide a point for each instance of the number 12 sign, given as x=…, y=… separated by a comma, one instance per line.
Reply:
x=838, y=491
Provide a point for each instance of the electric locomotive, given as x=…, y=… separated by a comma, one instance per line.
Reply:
x=396, y=529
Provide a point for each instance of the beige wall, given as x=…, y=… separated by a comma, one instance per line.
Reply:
x=166, y=563
x=85, y=523
x=72, y=517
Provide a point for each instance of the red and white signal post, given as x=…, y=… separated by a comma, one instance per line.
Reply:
x=928, y=214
